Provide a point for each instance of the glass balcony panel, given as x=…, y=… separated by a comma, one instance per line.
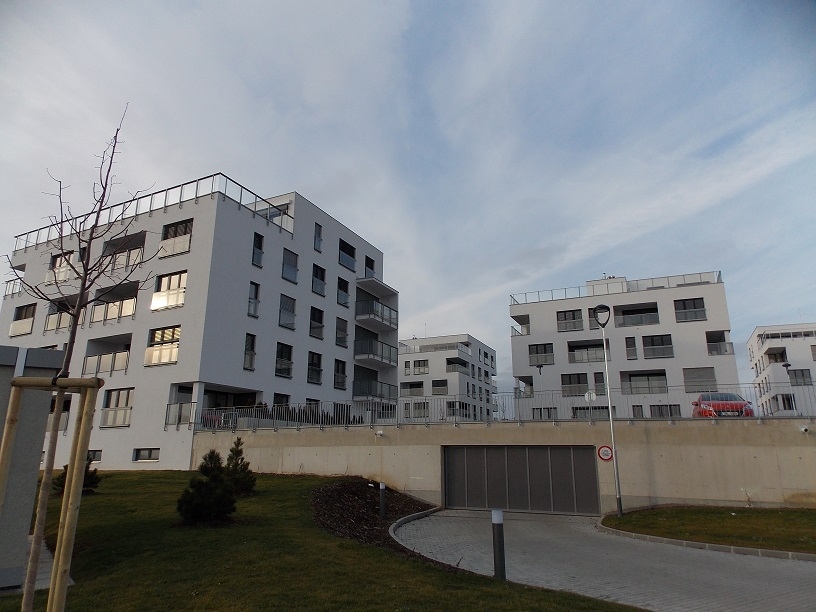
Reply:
x=542, y=359
x=106, y=363
x=570, y=325
x=693, y=314
x=574, y=390
x=287, y=319
x=720, y=348
x=174, y=246
x=171, y=298
x=283, y=367
x=632, y=320
x=340, y=381
x=347, y=261
x=289, y=273
x=161, y=354
x=254, y=307
x=342, y=298
x=586, y=355
x=314, y=375
x=115, y=417
x=653, y=352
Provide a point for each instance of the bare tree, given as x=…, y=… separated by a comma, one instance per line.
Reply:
x=80, y=275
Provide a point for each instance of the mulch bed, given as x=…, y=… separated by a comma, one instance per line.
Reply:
x=350, y=508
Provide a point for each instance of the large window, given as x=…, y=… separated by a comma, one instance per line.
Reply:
x=290, y=265
x=170, y=291
x=664, y=411
x=316, y=323
x=162, y=345
x=318, y=280
x=283, y=360
x=249, y=352
x=286, y=317
x=569, y=320
x=541, y=354
x=341, y=333
x=657, y=346
x=339, y=374
x=314, y=373
x=692, y=309
x=647, y=382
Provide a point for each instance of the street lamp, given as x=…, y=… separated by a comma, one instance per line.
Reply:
x=602, y=313
x=787, y=366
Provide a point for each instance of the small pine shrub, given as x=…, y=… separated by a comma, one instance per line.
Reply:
x=90, y=480
x=237, y=471
x=209, y=499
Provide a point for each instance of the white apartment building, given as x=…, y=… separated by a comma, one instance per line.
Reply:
x=446, y=377
x=782, y=358
x=668, y=339
x=240, y=307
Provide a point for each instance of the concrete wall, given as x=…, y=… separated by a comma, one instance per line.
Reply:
x=736, y=462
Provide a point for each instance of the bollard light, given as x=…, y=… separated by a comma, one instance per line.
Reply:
x=498, y=545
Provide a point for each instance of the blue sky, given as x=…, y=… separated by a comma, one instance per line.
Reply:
x=487, y=148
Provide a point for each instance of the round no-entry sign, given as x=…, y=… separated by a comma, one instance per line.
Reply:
x=605, y=453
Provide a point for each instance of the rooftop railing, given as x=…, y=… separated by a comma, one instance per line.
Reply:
x=160, y=200
x=616, y=285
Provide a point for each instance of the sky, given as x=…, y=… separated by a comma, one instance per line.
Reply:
x=487, y=148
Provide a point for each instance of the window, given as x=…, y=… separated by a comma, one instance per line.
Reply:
x=318, y=280
x=657, y=346
x=637, y=411
x=318, y=238
x=23, y=320
x=249, y=352
x=479, y=370
x=541, y=354
x=25, y=312
x=254, y=299
x=421, y=366
x=314, y=373
x=341, y=333
x=632, y=315
x=286, y=316
x=689, y=310
x=180, y=228
x=631, y=348
x=573, y=384
x=170, y=291
x=586, y=351
x=347, y=256
x=290, y=263
x=600, y=387
x=369, y=267
x=648, y=382
x=162, y=345
x=316, y=323
x=664, y=411
x=176, y=238
x=419, y=410
x=800, y=378
x=280, y=399
x=283, y=360
x=342, y=292
x=339, y=374
x=696, y=380
x=569, y=320
x=95, y=456
x=439, y=387
x=257, y=250
x=593, y=322
x=116, y=408
x=145, y=454
x=407, y=368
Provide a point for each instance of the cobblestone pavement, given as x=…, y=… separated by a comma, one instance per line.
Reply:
x=568, y=553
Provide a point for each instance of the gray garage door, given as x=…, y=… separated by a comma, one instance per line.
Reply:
x=557, y=479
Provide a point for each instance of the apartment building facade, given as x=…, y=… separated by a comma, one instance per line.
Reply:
x=446, y=377
x=668, y=340
x=234, y=301
x=782, y=358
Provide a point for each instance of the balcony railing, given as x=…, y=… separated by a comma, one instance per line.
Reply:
x=376, y=349
x=632, y=320
x=113, y=311
x=343, y=297
x=175, y=246
x=564, y=326
x=63, y=424
x=455, y=367
x=542, y=359
x=107, y=363
x=161, y=354
x=374, y=388
x=340, y=381
x=347, y=261
x=638, y=388
x=720, y=348
x=376, y=310
x=439, y=390
x=126, y=259
x=253, y=307
x=21, y=327
x=61, y=320
x=170, y=298
x=590, y=355
x=318, y=286
x=283, y=367
x=179, y=414
x=521, y=330
x=286, y=319
x=60, y=274
x=412, y=392
x=653, y=352
x=314, y=375
x=115, y=417
x=14, y=286
x=574, y=390
x=692, y=314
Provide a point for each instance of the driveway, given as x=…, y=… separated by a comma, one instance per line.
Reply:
x=568, y=553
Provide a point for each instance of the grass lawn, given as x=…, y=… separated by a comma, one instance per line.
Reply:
x=130, y=554
x=786, y=529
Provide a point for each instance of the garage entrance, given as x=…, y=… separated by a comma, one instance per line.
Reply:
x=556, y=479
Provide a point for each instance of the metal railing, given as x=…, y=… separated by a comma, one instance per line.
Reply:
x=113, y=311
x=374, y=388
x=161, y=354
x=105, y=364
x=633, y=320
x=537, y=359
x=160, y=200
x=720, y=348
x=692, y=314
x=115, y=417
x=372, y=309
x=170, y=298
x=377, y=350
x=13, y=287
x=407, y=349
x=589, y=355
x=179, y=414
x=175, y=246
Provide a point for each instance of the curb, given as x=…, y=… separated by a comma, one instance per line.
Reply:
x=737, y=550
x=407, y=519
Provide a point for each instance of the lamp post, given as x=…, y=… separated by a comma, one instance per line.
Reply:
x=787, y=366
x=602, y=314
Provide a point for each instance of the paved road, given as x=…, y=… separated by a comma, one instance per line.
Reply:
x=568, y=553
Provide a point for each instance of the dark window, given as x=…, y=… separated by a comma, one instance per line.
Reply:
x=286, y=316
x=290, y=265
x=316, y=323
x=347, y=256
x=180, y=228
x=318, y=280
x=145, y=454
x=257, y=250
x=314, y=374
x=339, y=374
x=692, y=309
x=569, y=320
x=25, y=312
x=249, y=352
x=369, y=267
x=283, y=360
x=341, y=333
x=318, y=237
x=342, y=292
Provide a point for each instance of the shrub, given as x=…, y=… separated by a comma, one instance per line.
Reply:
x=237, y=472
x=209, y=499
x=90, y=480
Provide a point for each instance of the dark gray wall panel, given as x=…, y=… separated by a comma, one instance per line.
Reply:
x=496, y=477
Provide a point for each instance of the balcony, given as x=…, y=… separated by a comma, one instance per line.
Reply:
x=170, y=298
x=20, y=327
x=59, y=275
x=105, y=364
x=375, y=354
x=435, y=390
x=175, y=246
x=655, y=352
x=371, y=389
x=565, y=326
x=589, y=355
x=126, y=259
x=634, y=320
x=376, y=315
x=542, y=359
x=115, y=417
x=574, y=390
x=113, y=311
x=161, y=354
x=61, y=320
x=692, y=314
x=521, y=330
x=63, y=424
x=457, y=368
x=720, y=348
x=412, y=392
